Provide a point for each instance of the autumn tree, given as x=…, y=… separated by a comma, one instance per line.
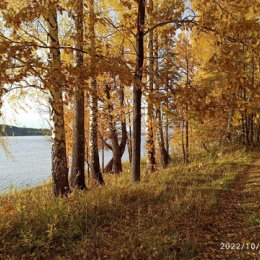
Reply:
x=232, y=65
x=150, y=145
x=59, y=158
x=94, y=156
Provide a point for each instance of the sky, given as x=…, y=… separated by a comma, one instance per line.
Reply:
x=23, y=112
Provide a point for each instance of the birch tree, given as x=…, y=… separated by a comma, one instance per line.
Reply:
x=150, y=147
x=59, y=159
x=94, y=156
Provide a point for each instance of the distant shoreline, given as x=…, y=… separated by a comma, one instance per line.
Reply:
x=7, y=130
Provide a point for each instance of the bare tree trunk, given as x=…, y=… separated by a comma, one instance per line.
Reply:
x=182, y=141
x=167, y=122
x=94, y=156
x=87, y=157
x=103, y=155
x=77, y=178
x=123, y=123
x=258, y=134
x=59, y=158
x=243, y=128
x=167, y=136
x=251, y=126
x=247, y=127
x=187, y=154
x=129, y=143
x=164, y=157
x=117, y=165
x=150, y=148
x=137, y=93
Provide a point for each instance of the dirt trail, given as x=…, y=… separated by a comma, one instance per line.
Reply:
x=235, y=225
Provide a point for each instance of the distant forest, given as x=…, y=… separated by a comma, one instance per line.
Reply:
x=6, y=130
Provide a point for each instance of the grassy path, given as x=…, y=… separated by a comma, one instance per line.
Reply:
x=180, y=213
x=234, y=225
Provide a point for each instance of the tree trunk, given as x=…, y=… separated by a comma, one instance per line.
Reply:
x=258, y=134
x=87, y=157
x=167, y=120
x=247, y=127
x=150, y=148
x=137, y=93
x=102, y=155
x=77, y=178
x=164, y=157
x=123, y=123
x=94, y=156
x=117, y=164
x=129, y=143
x=243, y=128
x=187, y=157
x=59, y=158
x=251, y=126
x=182, y=141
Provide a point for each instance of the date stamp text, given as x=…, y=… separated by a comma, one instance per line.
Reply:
x=239, y=246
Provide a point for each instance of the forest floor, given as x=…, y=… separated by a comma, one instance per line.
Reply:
x=180, y=213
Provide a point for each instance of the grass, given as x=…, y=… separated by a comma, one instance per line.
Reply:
x=121, y=220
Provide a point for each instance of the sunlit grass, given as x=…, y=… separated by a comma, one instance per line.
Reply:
x=120, y=220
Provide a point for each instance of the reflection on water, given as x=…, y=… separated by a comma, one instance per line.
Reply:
x=30, y=162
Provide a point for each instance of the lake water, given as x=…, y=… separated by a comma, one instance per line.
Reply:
x=30, y=162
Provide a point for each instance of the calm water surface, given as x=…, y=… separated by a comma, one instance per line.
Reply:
x=30, y=162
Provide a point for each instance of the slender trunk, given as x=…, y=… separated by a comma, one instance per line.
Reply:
x=59, y=158
x=129, y=143
x=251, y=126
x=123, y=122
x=258, y=134
x=247, y=127
x=167, y=122
x=137, y=93
x=94, y=156
x=187, y=154
x=163, y=153
x=182, y=141
x=229, y=125
x=164, y=157
x=117, y=165
x=167, y=136
x=103, y=155
x=77, y=178
x=150, y=148
x=87, y=157
x=243, y=128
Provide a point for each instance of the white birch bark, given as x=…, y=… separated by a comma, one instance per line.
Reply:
x=59, y=159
